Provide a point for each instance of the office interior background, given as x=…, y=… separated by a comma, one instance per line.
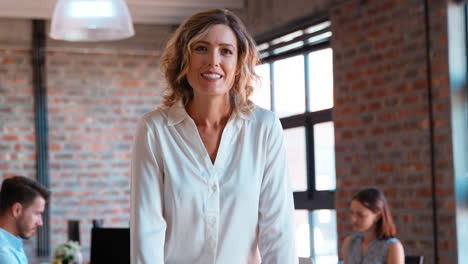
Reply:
x=369, y=92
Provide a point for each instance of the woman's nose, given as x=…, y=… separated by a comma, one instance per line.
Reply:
x=213, y=59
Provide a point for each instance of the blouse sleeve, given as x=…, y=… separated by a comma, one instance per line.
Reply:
x=276, y=208
x=148, y=226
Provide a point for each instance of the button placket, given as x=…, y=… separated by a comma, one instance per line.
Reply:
x=212, y=216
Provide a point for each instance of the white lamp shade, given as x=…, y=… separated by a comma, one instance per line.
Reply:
x=91, y=20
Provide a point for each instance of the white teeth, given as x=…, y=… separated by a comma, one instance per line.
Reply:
x=211, y=75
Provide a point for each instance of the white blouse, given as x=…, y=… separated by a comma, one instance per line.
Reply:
x=185, y=209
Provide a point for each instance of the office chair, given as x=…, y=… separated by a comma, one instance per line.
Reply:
x=110, y=245
x=414, y=259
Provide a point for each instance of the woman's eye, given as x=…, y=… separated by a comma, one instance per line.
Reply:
x=228, y=51
x=200, y=48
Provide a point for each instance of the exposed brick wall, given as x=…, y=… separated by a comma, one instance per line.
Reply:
x=17, y=128
x=95, y=100
x=95, y=93
x=382, y=117
x=17, y=131
x=381, y=113
x=17, y=144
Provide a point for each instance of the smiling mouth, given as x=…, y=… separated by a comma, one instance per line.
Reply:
x=211, y=75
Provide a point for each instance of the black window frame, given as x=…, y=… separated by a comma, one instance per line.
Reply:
x=311, y=199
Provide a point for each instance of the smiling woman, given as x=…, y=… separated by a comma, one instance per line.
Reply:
x=209, y=176
x=213, y=62
x=175, y=61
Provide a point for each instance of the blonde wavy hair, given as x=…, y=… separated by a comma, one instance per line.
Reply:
x=176, y=56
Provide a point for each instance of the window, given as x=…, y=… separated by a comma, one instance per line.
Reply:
x=458, y=70
x=297, y=83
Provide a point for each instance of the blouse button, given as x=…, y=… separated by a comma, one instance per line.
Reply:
x=211, y=220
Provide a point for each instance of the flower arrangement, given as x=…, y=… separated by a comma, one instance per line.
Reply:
x=67, y=253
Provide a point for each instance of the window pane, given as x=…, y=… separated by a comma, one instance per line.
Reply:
x=302, y=233
x=261, y=95
x=287, y=37
x=319, y=38
x=320, y=225
x=318, y=27
x=294, y=140
x=324, y=140
x=289, y=86
x=288, y=47
x=323, y=224
x=321, y=80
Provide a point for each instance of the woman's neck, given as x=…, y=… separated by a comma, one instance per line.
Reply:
x=369, y=235
x=209, y=111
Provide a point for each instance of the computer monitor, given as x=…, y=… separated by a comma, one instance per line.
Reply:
x=110, y=245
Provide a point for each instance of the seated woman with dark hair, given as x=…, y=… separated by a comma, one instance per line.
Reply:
x=374, y=242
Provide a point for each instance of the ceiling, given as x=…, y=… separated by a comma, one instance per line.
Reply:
x=142, y=11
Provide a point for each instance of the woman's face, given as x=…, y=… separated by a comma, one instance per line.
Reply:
x=363, y=218
x=213, y=62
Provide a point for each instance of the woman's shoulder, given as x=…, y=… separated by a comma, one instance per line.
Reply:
x=394, y=245
x=267, y=121
x=263, y=115
x=395, y=251
x=393, y=240
x=155, y=116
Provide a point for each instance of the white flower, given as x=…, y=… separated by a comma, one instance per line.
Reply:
x=67, y=251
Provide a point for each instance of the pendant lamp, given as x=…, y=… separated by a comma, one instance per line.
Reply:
x=91, y=20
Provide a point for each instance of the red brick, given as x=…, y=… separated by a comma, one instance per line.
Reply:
x=131, y=84
x=10, y=138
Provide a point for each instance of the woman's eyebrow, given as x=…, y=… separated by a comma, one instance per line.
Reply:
x=208, y=43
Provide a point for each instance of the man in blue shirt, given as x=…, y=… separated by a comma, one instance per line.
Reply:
x=22, y=203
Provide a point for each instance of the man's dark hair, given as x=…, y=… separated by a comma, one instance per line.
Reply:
x=19, y=189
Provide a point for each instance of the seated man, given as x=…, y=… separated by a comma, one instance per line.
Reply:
x=22, y=203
